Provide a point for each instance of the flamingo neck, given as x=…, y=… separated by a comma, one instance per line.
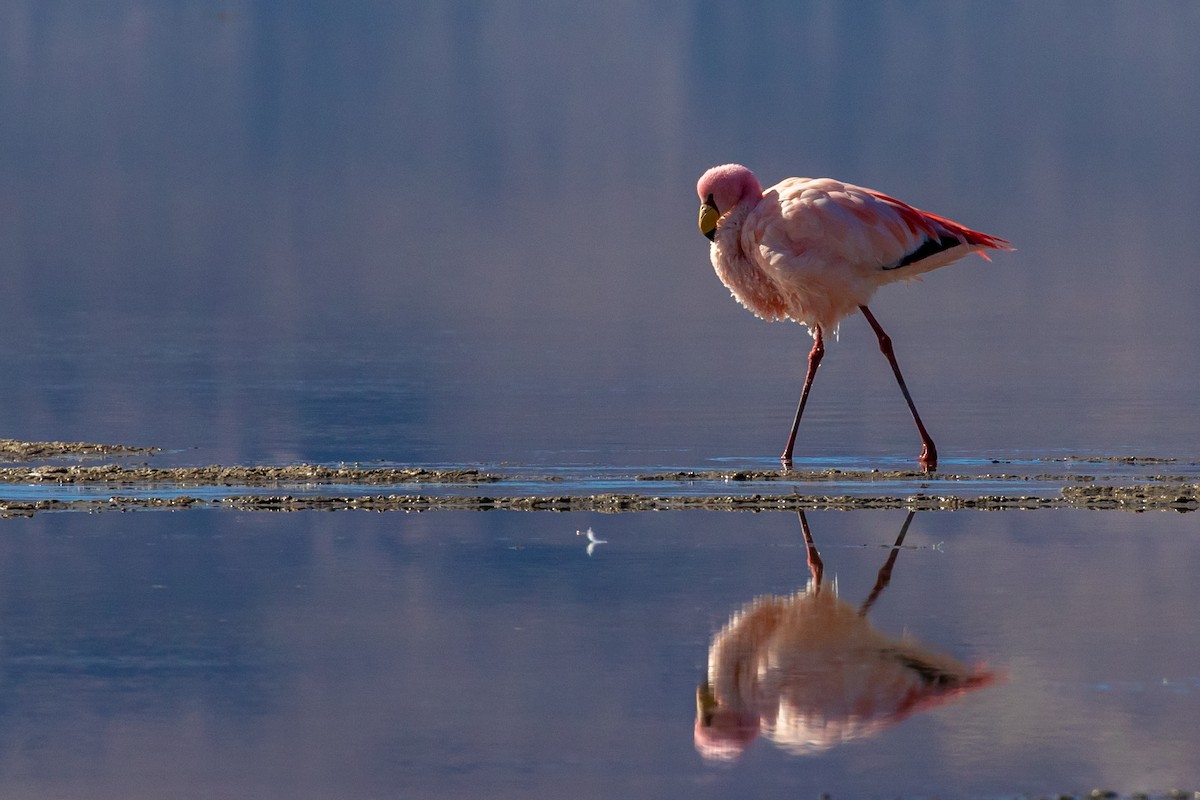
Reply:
x=738, y=270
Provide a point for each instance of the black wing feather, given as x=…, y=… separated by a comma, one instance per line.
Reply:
x=929, y=248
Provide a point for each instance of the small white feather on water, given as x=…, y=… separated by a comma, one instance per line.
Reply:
x=593, y=540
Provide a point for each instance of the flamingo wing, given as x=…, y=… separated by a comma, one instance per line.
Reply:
x=829, y=245
x=845, y=225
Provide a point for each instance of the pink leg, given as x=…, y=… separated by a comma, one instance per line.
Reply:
x=928, y=457
x=816, y=567
x=814, y=361
x=885, y=572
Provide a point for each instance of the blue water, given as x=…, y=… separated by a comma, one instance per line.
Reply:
x=457, y=653
x=396, y=233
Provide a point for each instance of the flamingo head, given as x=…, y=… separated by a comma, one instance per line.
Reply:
x=720, y=189
x=722, y=734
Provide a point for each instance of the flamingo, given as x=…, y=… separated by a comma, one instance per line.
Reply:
x=811, y=672
x=814, y=250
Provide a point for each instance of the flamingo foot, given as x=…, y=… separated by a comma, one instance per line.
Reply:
x=928, y=457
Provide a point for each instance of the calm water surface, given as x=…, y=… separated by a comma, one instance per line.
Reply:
x=459, y=654
x=467, y=233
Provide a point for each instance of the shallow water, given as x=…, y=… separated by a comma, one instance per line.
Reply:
x=351, y=654
x=77, y=479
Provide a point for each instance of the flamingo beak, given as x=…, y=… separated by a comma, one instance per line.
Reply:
x=708, y=218
x=706, y=704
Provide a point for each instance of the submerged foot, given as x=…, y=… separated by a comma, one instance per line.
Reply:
x=928, y=458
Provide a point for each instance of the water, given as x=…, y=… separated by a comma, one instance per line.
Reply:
x=431, y=655
x=321, y=234
x=420, y=234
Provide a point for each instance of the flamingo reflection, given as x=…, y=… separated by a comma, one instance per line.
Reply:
x=810, y=672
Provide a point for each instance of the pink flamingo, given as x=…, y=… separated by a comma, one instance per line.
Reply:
x=811, y=672
x=814, y=250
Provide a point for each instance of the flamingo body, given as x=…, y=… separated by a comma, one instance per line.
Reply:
x=815, y=250
x=810, y=672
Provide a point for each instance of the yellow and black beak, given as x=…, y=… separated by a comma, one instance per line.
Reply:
x=706, y=704
x=708, y=218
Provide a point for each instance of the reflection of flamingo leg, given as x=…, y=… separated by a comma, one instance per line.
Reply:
x=885, y=572
x=809, y=671
x=816, y=567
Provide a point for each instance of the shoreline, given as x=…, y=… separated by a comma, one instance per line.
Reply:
x=165, y=487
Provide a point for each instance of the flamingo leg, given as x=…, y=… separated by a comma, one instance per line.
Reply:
x=816, y=567
x=814, y=360
x=928, y=456
x=885, y=572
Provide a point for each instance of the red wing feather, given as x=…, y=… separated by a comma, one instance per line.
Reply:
x=924, y=222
